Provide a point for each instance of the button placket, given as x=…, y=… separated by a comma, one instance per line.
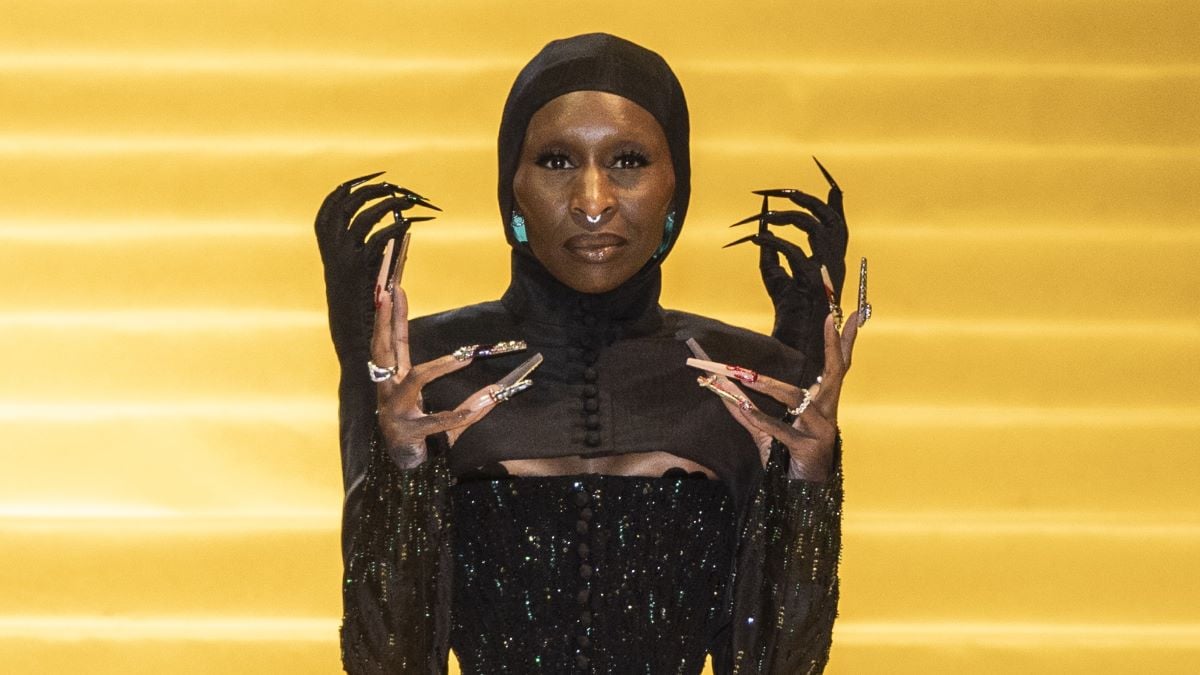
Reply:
x=583, y=598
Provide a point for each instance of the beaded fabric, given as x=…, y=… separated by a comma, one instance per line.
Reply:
x=590, y=573
x=399, y=572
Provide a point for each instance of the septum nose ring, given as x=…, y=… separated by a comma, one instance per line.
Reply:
x=592, y=220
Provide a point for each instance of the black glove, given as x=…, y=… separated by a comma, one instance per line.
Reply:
x=352, y=260
x=800, y=299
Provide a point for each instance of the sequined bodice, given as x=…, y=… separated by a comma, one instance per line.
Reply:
x=595, y=574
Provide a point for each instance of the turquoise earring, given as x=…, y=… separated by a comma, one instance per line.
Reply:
x=668, y=235
x=518, y=228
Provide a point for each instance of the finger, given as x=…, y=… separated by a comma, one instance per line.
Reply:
x=399, y=316
x=838, y=348
x=424, y=373
x=478, y=405
x=820, y=209
x=801, y=264
x=370, y=216
x=332, y=215
x=402, y=394
x=382, y=352
x=787, y=394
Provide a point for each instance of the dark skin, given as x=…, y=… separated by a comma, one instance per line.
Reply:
x=594, y=184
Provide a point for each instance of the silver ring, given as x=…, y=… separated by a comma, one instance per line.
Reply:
x=378, y=374
x=799, y=410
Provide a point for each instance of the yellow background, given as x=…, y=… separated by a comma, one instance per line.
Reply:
x=1021, y=423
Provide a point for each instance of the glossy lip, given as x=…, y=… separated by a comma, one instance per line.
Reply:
x=595, y=248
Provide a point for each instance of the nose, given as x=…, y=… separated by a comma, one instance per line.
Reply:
x=594, y=198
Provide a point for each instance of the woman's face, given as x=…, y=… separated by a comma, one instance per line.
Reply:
x=594, y=183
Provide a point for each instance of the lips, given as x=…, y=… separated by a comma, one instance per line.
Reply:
x=595, y=248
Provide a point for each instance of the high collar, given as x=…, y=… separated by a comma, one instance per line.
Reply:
x=535, y=295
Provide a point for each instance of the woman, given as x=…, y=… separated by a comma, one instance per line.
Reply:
x=577, y=501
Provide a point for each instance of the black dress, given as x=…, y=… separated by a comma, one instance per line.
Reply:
x=673, y=568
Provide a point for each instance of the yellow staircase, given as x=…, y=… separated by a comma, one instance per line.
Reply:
x=1022, y=423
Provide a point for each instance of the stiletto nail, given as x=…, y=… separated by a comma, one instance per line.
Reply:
x=385, y=267
x=776, y=192
x=762, y=216
x=398, y=263
x=740, y=401
x=355, y=182
x=511, y=390
x=750, y=219
x=832, y=183
x=740, y=241
x=864, y=307
x=521, y=372
x=736, y=372
x=378, y=302
x=484, y=351
x=412, y=197
x=833, y=306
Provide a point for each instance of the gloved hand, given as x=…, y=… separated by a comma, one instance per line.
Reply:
x=800, y=297
x=350, y=258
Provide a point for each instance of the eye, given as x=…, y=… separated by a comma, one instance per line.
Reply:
x=555, y=161
x=630, y=160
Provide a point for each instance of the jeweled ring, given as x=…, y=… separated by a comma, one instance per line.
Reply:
x=799, y=410
x=379, y=374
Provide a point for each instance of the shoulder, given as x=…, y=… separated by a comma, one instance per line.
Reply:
x=735, y=345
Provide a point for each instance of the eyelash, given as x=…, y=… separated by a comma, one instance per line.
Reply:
x=637, y=159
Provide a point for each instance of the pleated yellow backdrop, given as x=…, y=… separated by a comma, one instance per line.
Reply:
x=1021, y=423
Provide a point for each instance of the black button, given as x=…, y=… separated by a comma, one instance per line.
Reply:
x=582, y=498
x=581, y=526
x=589, y=374
x=590, y=390
x=583, y=641
x=583, y=553
x=592, y=438
x=583, y=596
x=585, y=514
x=591, y=405
x=593, y=422
x=585, y=571
x=585, y=618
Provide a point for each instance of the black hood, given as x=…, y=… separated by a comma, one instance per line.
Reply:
x=596, y=62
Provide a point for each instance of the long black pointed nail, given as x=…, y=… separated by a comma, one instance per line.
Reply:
x=417, y=219
x=777, y=192
x=355, y=182
x=743, y=240
x=411, y=196
x=762, y=220
x=750, y=219
x=832, y=183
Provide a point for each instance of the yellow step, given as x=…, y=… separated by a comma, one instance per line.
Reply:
x=180, y=355
x=1019, y=32
x=238, y=455
x=811, y=102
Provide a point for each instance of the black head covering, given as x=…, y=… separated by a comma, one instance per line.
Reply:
x=597, y=62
